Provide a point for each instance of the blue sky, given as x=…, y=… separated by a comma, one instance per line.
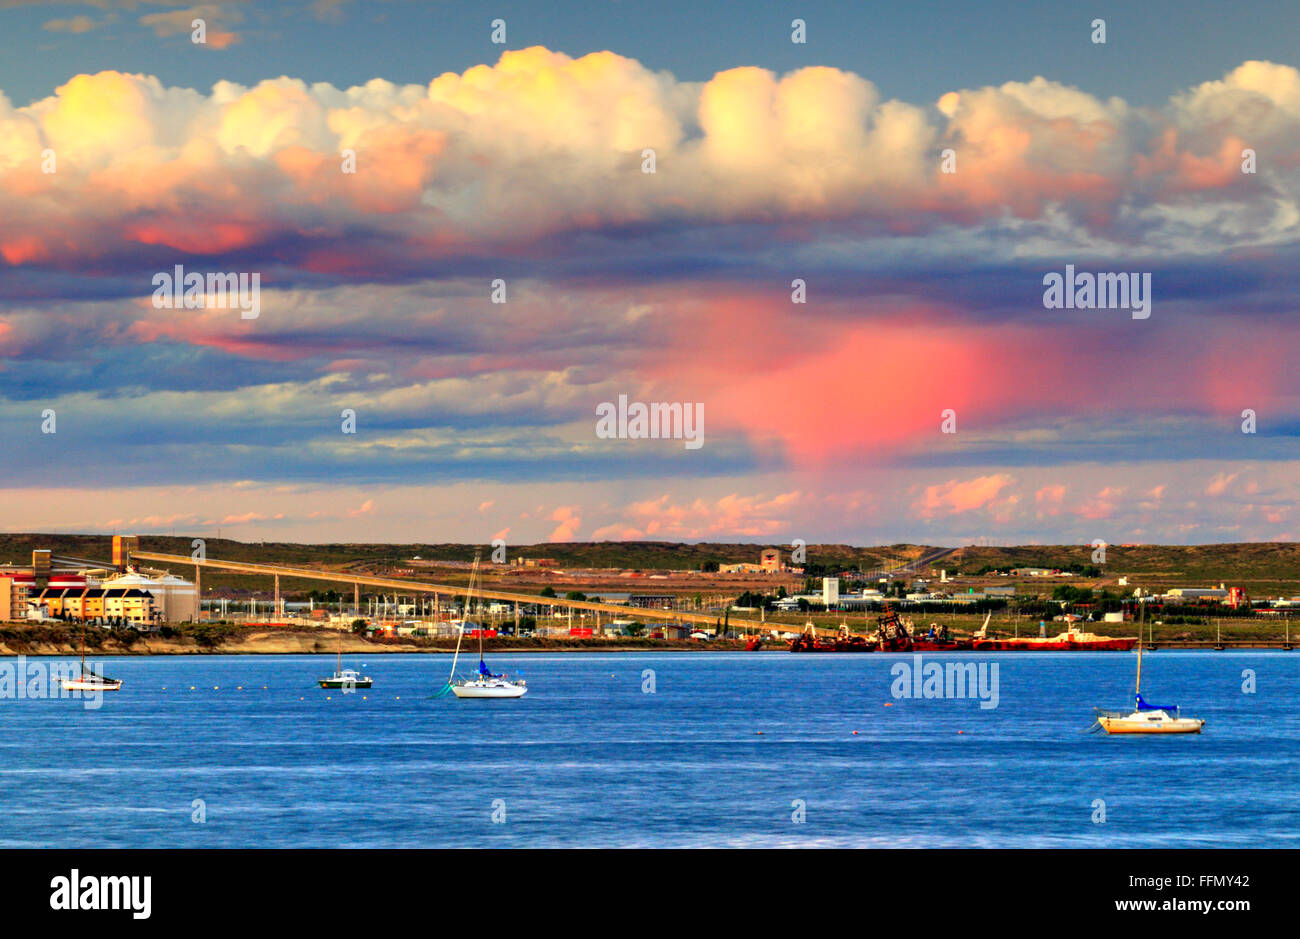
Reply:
x=916, y=51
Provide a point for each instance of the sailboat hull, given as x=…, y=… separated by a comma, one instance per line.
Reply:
x=1143, y=725
x=481, y=690
x=84, y=684
x=345, y=683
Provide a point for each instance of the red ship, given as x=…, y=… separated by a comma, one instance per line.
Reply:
x=1070, y=641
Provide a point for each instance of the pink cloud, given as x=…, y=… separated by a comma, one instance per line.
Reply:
x=957, y=496
x=1220, y=483
x=570, y=522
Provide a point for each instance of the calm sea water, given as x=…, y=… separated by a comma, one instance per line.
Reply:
x=720, y=754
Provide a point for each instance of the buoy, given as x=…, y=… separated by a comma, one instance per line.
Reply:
x=239, y=687
x=855, y=733
x=961, y=731
x=191, y=687
x=889, y=704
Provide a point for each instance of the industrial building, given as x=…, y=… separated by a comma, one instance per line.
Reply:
x=100, y=605
x=769, y=562
x=1197, y=593
x=91, y=591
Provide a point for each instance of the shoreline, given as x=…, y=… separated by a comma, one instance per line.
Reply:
x=307, y=642
x=309, y=645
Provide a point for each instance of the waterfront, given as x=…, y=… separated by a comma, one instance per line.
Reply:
x=719, y=755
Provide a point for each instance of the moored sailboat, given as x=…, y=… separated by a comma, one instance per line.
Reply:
x=485, y=684
x=344, y=678
x=89, y=681
x=1147, y=718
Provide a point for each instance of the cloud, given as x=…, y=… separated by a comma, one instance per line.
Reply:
x=75, y=24
x=570, y=521
x=1100, y=506
x=180, y=22
x=924, y=291
x=1220, y=483
x=541, y=144
x=956, y=496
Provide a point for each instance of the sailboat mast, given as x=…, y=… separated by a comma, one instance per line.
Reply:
x=1138, y=689
x=460, y=633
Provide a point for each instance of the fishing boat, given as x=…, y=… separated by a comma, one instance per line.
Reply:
x=344, y=677
x=485, y=684
x=1147, y=718
x=89, y=681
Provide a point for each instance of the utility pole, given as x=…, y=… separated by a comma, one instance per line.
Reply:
x=198, y=591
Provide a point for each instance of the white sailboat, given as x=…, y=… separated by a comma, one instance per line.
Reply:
x=1146, y=718
x=89, y=681
x=484, y=684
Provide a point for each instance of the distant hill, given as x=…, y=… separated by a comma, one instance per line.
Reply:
x=662, y=555
x=1202, y=564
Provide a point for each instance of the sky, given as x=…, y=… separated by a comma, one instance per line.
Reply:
x=839, y=259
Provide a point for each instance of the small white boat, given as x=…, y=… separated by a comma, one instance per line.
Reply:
x=89, y=681
x=345, y=678
x=497, y=686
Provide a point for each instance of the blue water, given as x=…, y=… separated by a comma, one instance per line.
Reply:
x=716, y=756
